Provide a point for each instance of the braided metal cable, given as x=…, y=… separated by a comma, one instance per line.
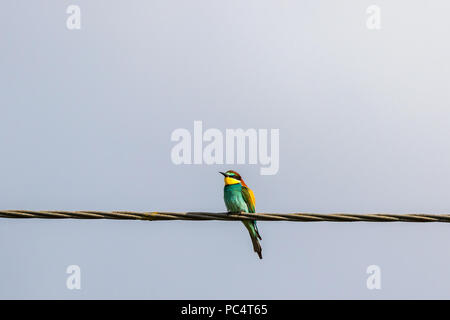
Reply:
x=295, y=217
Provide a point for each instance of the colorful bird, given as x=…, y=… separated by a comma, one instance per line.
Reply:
x=240, y=198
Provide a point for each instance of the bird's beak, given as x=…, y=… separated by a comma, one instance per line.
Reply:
x=223, y=174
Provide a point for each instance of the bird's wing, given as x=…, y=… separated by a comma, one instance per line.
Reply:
x=249, y=198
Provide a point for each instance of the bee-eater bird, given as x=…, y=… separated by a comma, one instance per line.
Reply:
x=240, y=198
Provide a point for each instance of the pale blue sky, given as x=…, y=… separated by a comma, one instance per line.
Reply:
x=86, y=118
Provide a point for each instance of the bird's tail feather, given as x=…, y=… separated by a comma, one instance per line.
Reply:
x=256, y=245
x=257, y=232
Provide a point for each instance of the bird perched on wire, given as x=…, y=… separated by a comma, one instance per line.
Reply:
x=240, y=198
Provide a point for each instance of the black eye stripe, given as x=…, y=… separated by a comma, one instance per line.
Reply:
x=234, y=176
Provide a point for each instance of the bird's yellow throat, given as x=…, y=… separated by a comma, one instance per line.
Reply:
x=229, y=181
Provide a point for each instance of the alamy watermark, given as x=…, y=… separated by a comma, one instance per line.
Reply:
x=74, y=280
x=374, y=280
x=73, y=22
x=229, y=147
x=373, y=21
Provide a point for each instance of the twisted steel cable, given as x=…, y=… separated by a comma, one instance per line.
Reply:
x=294, y=217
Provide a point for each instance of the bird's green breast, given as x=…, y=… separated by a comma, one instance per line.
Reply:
x=234, y=200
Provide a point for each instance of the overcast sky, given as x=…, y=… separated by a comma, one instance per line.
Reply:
x=86, y=123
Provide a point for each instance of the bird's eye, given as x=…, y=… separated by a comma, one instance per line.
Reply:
x=233, y=175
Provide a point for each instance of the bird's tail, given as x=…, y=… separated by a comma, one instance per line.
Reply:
x=254, y=235
x=257, y=232
x=256, y=246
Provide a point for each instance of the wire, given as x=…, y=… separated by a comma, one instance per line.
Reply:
x=202, y=216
